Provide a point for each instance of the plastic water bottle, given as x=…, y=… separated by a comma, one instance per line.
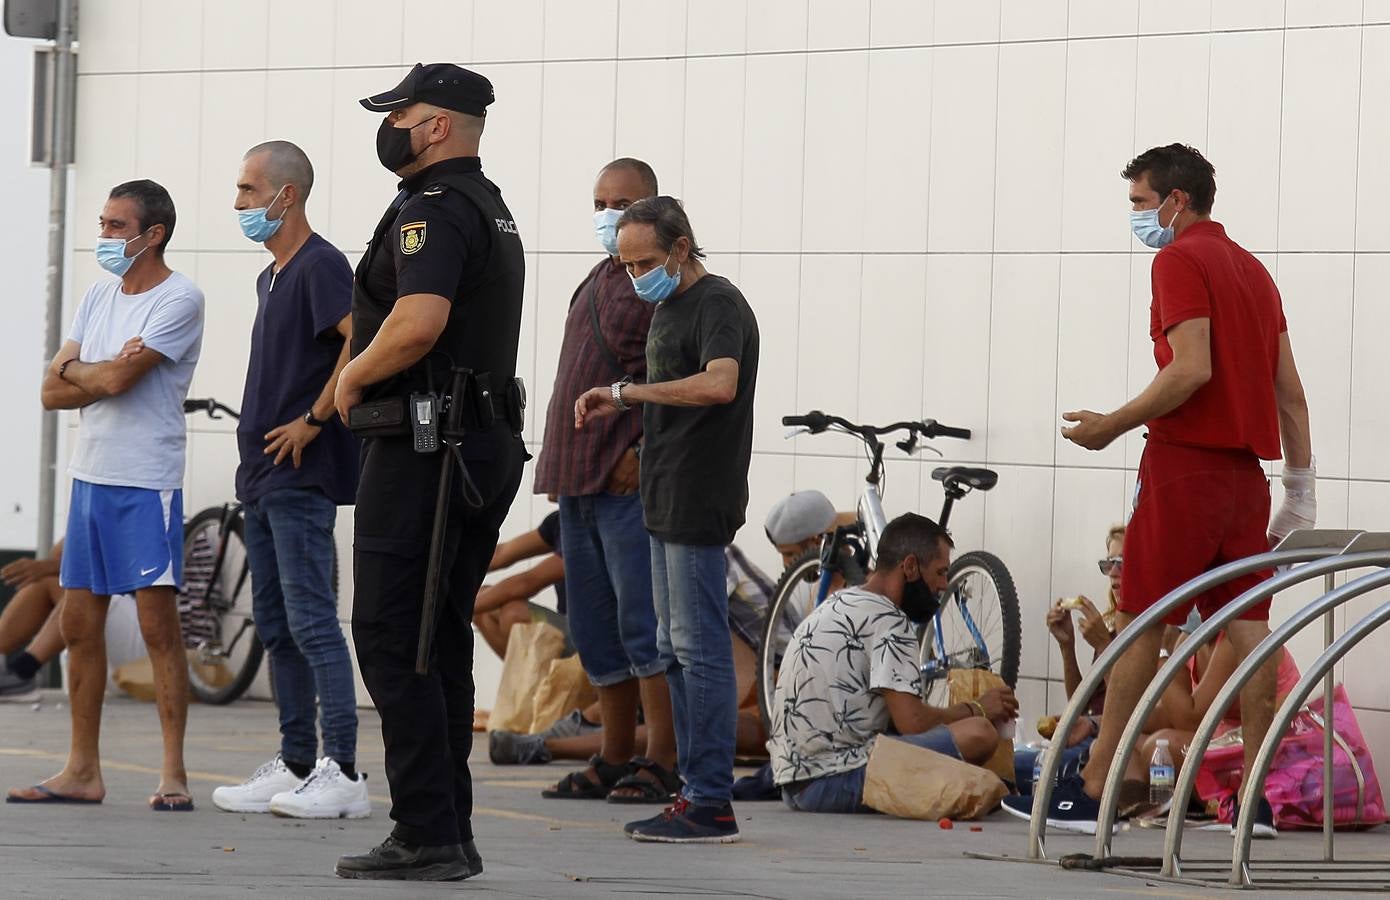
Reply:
x=1161, y=775
x=1037, y=767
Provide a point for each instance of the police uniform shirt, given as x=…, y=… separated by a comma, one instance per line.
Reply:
x=439, y=243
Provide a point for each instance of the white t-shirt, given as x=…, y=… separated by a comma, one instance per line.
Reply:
x=137, y=439
x=829, y=706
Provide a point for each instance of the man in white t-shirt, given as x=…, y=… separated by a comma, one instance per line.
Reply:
x=126, y=365
x=851, y=671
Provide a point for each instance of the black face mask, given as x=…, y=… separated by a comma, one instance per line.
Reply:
x=919, y=601
x=393, y=144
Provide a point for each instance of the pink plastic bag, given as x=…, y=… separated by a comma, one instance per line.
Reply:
x=1294, y=785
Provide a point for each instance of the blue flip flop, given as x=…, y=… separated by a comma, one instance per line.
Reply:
x=48, y=795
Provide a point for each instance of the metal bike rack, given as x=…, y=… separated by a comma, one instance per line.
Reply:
x=1321, y=669
x=1299, y=547
x=1207, y=631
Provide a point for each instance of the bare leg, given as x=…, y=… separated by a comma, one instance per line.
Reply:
x=159, y=623
x=661, y=728
x=490, y=628
x=750, y=738
x=1257, y=694
x=1133, y=671
x=26, y=613
x=619, y=705
x=84, y=629
x=48, y=643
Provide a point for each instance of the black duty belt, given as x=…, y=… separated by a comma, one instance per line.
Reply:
x=482, y=409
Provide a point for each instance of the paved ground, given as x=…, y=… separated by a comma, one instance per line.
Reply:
x=531, y=847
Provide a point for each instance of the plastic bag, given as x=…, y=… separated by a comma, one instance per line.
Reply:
x=1294, y=785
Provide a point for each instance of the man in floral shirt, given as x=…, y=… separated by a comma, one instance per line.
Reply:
x=850, y=672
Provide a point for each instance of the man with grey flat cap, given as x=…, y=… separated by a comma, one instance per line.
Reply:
x=431, y=390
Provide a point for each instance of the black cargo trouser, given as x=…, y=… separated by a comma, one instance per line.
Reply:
x=426, y=720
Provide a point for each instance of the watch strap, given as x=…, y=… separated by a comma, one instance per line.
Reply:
x=310, y=420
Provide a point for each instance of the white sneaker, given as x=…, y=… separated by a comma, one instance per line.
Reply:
x=253, y=795
x=326, y=794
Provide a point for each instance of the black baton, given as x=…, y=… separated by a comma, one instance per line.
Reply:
x=450, y=431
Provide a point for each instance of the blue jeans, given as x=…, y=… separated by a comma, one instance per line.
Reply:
x=692, y=612
x=843, y=792
x=289, y=545
x=608, y=583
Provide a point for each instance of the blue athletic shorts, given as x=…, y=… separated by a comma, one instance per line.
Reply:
x=121, y=539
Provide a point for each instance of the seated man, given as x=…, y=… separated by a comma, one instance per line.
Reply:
x=851, y=672
x=507, y=603
x=29, y=634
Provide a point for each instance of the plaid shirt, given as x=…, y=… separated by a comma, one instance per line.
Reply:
x=575, y=463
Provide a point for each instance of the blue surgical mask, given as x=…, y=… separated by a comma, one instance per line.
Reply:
x=256, y=226
x=111, y=255
x=656, y=285
x=1144, y=224
x=606, y=227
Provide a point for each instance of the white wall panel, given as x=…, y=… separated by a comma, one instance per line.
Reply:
x=1166, y=16
x=956, y=350
x=1099, y=141
x=1171, y=102
x=1023, y=359
x=966, y=21
x=963, y=110
x=893, y=338
x=1032, y=100
x=104, y=149
x=1370, y=368
x=648, y=28
x=1317, y=292
x=777, y=25
x=437, y=31
x=513, y=31
x=1032, y=20
x=173, y=163
x=646, y=88
x=772, y=285
x=165, y=27
x=235, y=35
x=773, y=153
x=224, y=140
x=1102, y=18
x=1372, y=179
x=572, y=150
x=1094, y=322
x=1243, y=134
x=837, y=24
x=833, y=218
x=715, y=26
x=828, y=336
x=1236, y=15
x=581, y=29
x=712, y=181
x=511, y=148
x=899, y=166
x=304, y=35
x=368, y=32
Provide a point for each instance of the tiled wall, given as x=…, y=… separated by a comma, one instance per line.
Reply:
x=921, y=201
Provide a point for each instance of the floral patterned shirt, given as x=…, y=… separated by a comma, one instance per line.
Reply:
x=828, y=706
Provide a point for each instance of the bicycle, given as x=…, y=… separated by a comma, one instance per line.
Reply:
x=977, y=624
x=215, y=606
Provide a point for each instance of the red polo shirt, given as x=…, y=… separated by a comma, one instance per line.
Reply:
x=1205, y=274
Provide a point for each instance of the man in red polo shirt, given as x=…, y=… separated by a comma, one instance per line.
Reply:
x=1227, y=395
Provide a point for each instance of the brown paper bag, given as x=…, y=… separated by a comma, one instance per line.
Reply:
x=530, y=649
x=564, y=688
x=913, y=782
x=136, y=678
x=969, y=684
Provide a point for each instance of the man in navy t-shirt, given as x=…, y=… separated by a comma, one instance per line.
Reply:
x=298, y=465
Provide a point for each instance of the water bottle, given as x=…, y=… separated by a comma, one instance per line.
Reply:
x=1037, y=767
x=1161, y=775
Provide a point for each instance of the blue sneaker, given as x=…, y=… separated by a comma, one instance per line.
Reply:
x=1264, y=821
x=1071, y=809
x=685, y=823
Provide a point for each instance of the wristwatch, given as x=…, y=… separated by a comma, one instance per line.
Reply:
x=310, y=420
x=617, y=389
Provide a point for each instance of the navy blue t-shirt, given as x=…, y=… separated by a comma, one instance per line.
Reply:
x=294, y=347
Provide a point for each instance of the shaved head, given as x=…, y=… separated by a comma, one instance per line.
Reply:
x=285, y=163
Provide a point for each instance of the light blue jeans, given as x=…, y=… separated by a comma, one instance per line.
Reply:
x=692, y=612
x=289, y=545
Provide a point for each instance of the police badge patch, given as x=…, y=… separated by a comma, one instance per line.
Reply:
x=412, y=237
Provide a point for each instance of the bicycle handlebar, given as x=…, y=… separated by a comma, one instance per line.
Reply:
x=209, y=406
x=818, y=422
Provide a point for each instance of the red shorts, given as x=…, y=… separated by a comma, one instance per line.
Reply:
x=1195, y=509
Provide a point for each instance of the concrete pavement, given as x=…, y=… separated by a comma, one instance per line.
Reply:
x=531, y=847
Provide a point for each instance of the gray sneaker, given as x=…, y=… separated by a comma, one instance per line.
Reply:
x=14, y=689
x=572, y=725
x=507, y=748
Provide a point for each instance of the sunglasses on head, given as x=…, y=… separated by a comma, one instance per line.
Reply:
x=1110, y=564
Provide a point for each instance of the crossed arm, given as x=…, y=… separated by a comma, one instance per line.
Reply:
x=84, y=383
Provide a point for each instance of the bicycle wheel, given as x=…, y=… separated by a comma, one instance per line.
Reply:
x=215, y=614
x=793, y=599
x=981, y=593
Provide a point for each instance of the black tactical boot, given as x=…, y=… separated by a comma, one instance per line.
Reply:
x=399, y=861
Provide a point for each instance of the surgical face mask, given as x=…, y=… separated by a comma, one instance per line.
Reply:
x=111, y=255
x=1144, y=224
x=919, y=601
x=606, y=228
x=393, y=144
x=656, y=285
x=254, y=223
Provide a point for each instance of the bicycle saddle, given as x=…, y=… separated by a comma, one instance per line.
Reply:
x=977, y=479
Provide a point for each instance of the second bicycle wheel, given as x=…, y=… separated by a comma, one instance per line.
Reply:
x=793, y=599
x=215, y=609
x=979, y=625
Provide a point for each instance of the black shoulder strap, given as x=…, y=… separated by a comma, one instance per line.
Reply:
x=607, y=351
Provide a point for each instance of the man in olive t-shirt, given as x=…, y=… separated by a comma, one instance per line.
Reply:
x=702, y=366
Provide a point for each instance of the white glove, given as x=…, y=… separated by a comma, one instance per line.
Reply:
x=1300, y=506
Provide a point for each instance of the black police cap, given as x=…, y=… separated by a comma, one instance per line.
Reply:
x=439, y=84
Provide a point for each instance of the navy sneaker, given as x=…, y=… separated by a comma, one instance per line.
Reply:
x=1264, y=821
x=685, y=823
x=1071, y=809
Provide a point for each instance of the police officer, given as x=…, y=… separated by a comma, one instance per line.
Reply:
x=439, y=289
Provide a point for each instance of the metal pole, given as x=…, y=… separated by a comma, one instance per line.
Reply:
x=63, y=93
x=1327, y=728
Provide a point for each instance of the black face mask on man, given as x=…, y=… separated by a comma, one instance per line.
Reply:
x=919, y=601
x=393, y=144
